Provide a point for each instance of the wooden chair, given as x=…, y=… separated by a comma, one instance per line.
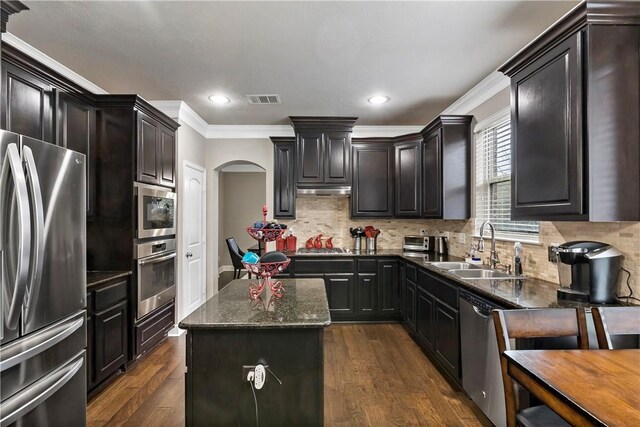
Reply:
x=543, y=323
x=612, y=321
x=236, y=255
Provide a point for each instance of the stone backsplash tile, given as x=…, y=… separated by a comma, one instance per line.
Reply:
x=330, y=216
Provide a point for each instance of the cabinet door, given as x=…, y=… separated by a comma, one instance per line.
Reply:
x=27, y=104
x=408, y=157
x=284, y=191
x=547, y=155
x=310, y=164
x=372, y=190
x=432, y=176
x=77, y=132
x=167, y=158
x=411, y=305
x=388, y=289
x=402, y=284
x=148, y=149
x=447, y=337
x=367, y=294
x=341, y=294
x=110, y=340
x=337, y=150
x=425, y=318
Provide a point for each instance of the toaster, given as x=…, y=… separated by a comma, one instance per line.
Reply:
x=418, y=243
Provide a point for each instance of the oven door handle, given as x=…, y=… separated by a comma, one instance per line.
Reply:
x=157, y=259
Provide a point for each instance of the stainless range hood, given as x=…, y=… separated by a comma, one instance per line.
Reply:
x=334, y=191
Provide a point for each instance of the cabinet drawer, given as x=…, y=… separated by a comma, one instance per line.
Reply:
x=367, y=266
x=330, y=266
x=110, y=294
x=438, y=288
x=154, y=329
x=412, y=273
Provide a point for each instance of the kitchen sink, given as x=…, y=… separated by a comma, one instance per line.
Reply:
x=480, y=274
x=454, y=265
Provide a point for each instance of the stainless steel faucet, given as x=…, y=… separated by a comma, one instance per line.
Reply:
x=493, y=257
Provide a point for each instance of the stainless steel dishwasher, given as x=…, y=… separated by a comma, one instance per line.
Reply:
x=481, y=373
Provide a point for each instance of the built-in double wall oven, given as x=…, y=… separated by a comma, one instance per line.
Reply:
x=154, y=247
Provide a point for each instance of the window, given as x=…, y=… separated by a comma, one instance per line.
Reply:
x=493, y=180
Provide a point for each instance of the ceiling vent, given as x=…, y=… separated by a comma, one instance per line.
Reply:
x=263, y=99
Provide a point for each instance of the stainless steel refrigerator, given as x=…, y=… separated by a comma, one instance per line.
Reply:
x=43, y=271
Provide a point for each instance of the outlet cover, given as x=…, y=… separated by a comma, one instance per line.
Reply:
x=552, y=254
x=462, y=237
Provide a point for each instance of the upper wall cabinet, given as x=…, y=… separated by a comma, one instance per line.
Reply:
x=323, y=148
x=446, y=162
x=372, y=195
x=284, y=178
x=408, y=176
x=575, y=106
x=156, y=150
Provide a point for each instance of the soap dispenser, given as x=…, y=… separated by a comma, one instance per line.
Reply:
x=517, y=261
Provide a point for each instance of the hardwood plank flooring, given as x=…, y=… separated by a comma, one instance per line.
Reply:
x=375, y=375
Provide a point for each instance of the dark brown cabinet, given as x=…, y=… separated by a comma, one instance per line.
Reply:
x=373, y=178
x=153, y=329
x=402, y=285
x=408, y=176
x=388, y=287
x=574, y=139
x=284, y=176
x=156, y=152
x=367, y=294
x=446, y=164
x=424, y=317
x=107, y=330
x=27, y=104
x=447, y=337
x=76, y=130
x=323, y=151
x=341, y=293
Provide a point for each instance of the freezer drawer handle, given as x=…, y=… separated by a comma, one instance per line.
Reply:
x=22, y=403
x=12, y=163
x=37, y=262
x=47, y=343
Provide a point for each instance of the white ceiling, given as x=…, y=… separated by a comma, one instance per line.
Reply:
x=322, y=58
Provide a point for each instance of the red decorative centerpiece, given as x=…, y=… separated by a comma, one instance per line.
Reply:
x=270, y=263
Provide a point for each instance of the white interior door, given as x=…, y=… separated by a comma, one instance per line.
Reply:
x=193, y=293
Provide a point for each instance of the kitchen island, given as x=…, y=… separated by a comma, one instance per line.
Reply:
x=229, y=334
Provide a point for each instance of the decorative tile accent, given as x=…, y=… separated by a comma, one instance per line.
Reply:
x=330, y=216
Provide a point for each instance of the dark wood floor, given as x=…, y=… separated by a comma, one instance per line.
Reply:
x=375, y=375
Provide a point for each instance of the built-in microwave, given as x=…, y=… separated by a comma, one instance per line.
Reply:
x=156, y=211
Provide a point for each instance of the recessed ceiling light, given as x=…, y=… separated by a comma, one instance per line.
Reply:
x=378, y=99
x=219, y=99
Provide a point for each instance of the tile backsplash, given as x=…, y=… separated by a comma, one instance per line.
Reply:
x=330, y=216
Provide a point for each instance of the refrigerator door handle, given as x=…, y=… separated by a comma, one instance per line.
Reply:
x=48, y=340
x=14, y=298
x=37, y=213
x=22, y=403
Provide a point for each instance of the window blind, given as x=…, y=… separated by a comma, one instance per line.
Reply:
x=493, y=182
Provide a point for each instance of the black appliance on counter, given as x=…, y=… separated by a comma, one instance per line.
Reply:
x=588, y=271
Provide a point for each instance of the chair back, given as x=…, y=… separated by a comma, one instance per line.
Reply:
x=613, y=321
x=542, y=323
x=235, y=253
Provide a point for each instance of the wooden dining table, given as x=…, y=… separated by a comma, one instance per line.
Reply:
x=585, y=387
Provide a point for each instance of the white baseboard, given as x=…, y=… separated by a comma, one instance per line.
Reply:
x=176, y=332
x=223, y=268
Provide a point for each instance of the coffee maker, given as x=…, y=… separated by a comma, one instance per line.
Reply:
x=588, y=271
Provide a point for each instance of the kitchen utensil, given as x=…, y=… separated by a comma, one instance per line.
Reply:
x=371, y=244
x=329, y=243
x=309, y=244
x=357, y=242
x=318, y=242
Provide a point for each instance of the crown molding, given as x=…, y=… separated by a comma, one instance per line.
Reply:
x=179, y=110
x=45, y=59
x=371, y=131
x=479, y=94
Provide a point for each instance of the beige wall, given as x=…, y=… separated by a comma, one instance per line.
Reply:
x=243, y=198
x=220, y=152
x=192, y=148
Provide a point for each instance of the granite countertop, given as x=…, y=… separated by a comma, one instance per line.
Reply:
x=304, y=305
x=98, y=277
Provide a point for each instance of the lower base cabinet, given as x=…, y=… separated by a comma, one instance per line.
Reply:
x=447, y=337
x=367, y=286
x=107, y=330
x=154, y=328
x=424, y=318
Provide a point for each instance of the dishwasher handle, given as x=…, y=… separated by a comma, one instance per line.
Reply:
x=481, y=311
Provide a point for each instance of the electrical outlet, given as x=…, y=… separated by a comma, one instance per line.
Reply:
x=462, y=237
x=245, y=371
x=552, y=254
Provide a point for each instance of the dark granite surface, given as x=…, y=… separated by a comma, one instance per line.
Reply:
x=304, y=305
x=510, y=293
x=98, y=277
